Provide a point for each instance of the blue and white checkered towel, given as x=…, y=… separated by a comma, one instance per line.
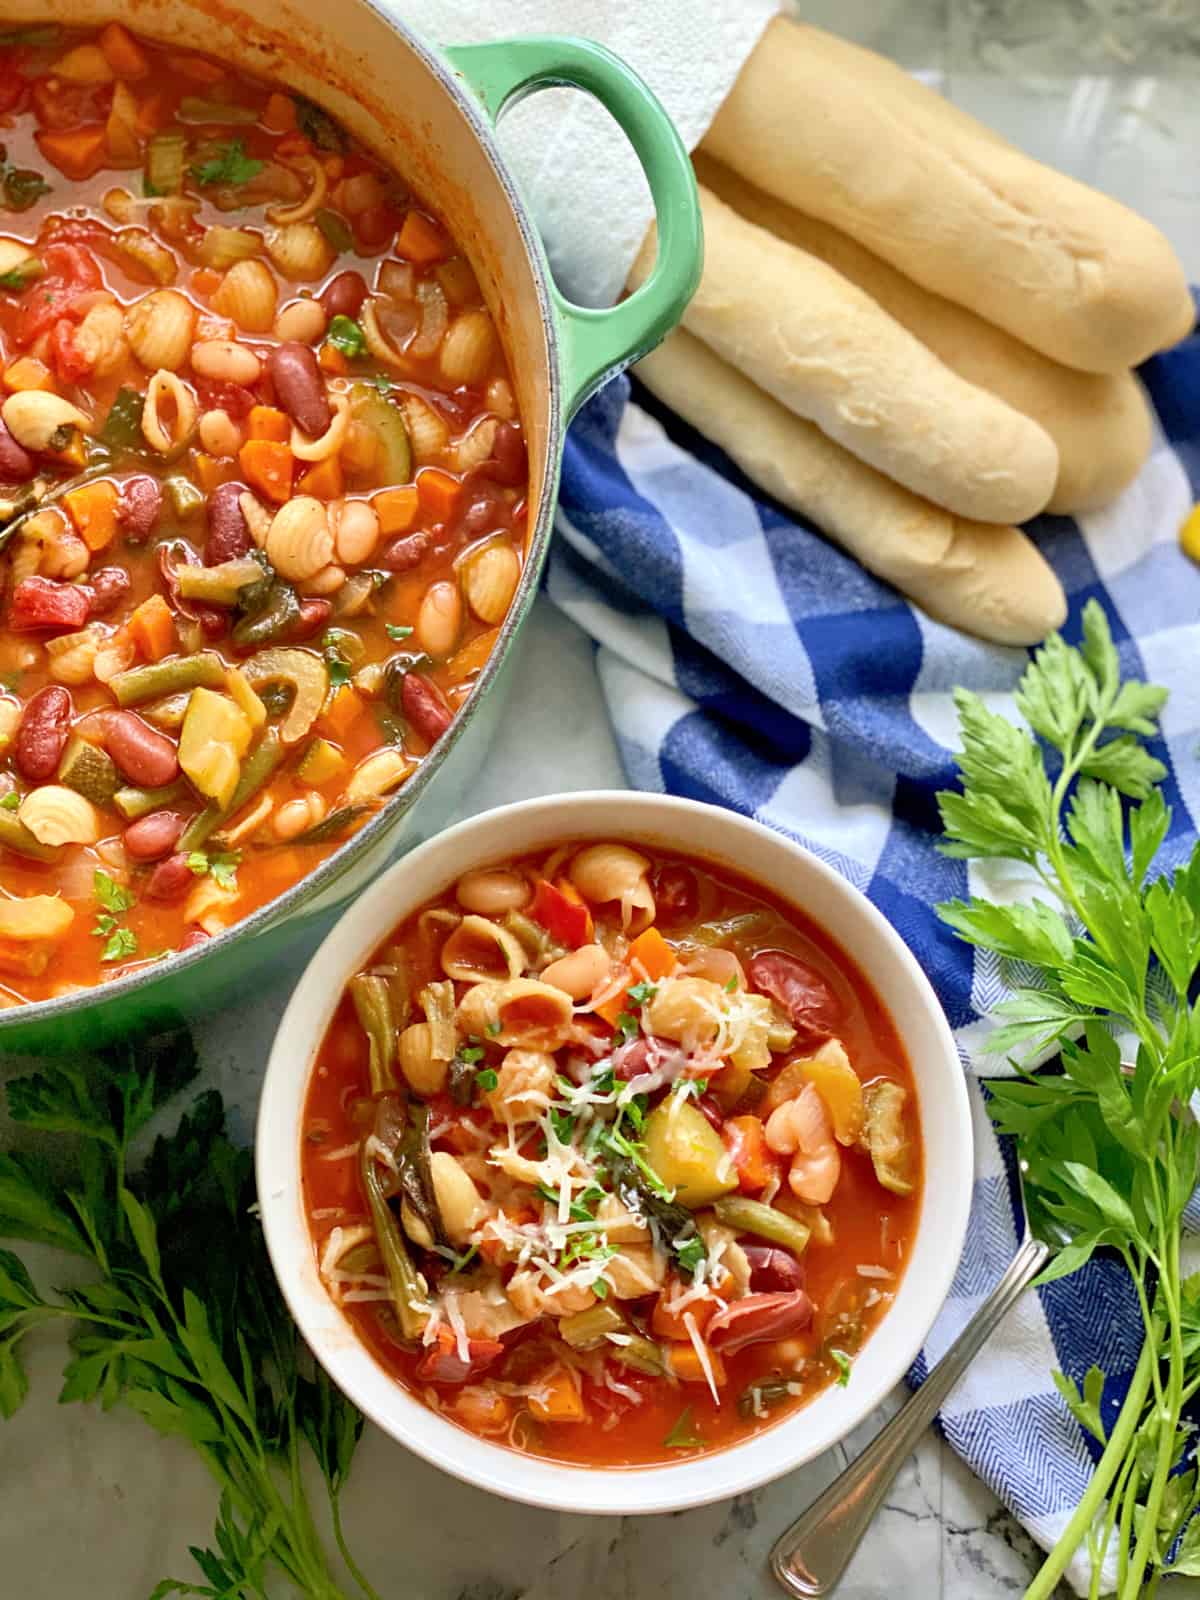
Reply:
x=747, y=662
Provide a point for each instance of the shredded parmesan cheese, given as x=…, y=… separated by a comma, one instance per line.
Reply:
x=701, y=1350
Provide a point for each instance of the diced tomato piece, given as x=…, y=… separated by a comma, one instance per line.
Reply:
x=61, y=105
x=67, y=358
x=442, y=1363
x=231, y=398
x=46, y=603
x=376, y=226
x=746, y=1142
x=562, y=914
x=12, y=87
x=71, y=271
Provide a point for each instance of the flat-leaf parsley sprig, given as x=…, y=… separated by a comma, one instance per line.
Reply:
x=1110, y=1151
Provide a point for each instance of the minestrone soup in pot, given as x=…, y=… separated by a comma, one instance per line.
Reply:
x=262, y=497
x=611, y=1157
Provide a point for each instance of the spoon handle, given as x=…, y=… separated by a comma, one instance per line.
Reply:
x=811, y=1556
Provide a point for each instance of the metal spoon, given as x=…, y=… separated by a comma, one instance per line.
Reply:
x=810, y=1558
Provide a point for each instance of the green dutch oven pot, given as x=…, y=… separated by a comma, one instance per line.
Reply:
x=431, y=116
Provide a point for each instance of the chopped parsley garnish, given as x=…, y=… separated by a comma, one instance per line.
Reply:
x=579, y=1209
x=460, y=1263
x=222, y=868
x=229, y=164
x=493, y=1028
x=397, y=630
x=487, y=1079
x=641, y=993
x=563, y=1124
x=691, y=1087
x=843, y=1363
x=627, y=1026
x=600, y=1289
x=335, y=661
x=471, y=1054
x=346, y=335
x=683, y=1436
x=382, y=382
x=586, y=1247
x=689, y=1252
x=604, y=1080
x=731, y=985
x=110, y=894
x=119, y=942
x=23, y=187
x=634, y=1111
x=11, y=801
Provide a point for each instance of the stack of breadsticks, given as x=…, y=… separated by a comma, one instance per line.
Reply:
x=910, y=332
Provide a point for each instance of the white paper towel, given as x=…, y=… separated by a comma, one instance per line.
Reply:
x=578, y=173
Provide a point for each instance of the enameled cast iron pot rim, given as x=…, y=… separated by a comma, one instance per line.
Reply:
x=758, y=853
x=584, y=348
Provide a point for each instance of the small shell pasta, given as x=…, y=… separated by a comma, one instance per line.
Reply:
x=606, y=872
x=100, y=337
x=517, y=1011
x=258, y=518
x=427, y=432
x=56, y=815
x=71, y=656
x=299, y=543
x=379, y=774
x=305, y=448
x=248, y=295
x=168, y=414
x=479, y=948
x=159, y=329
x=459, y=1202
x=300, y=250
x=422, y=1072
x=476, y=445
x=468, y=348
x=491, y=581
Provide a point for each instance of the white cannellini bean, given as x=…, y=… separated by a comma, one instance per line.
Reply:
x=294, y=816
x=220, y=435
x=226, y=361
x=492, y=891
x=439, y=619
x=581, y=972
x=302, y=320
x=356, y=530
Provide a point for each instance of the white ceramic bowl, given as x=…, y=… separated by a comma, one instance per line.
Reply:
x=757, y=853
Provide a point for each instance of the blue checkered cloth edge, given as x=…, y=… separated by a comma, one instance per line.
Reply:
x=747, y=662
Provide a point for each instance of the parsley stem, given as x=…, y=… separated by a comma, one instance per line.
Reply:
x=352, y=1566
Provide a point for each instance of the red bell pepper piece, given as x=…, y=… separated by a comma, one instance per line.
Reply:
x=746, y=1142
x=563, y=914
x=442, y=1363
x=46, y=603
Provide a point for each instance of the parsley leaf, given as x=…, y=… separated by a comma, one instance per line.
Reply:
x=346, y=335
x=843, y=1363
x=119, y=942
x=397, y=630
x=229, y=164
x=493, y=1028
x=222, y=867
x=110, y=894
x=683, y=1435
x=628, y=1027
x=690, y=1252
x=641, y=993
x=487, y=1079
x=563, y=1124
x=11, y=801
x=471, y=1054
x=731, y=985
x=336, y=662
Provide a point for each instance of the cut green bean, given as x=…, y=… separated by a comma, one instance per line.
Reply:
x=222, y=584
x=133, y=802
x=257, y=771
x=373, y=1007
x=409, y=1297
x=638, y=1352
x=751, y=1216
x=584, y=1330
x=159, y=678
x=14, y=835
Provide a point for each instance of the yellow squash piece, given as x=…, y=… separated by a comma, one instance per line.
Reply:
x=37, y=916
x=687, y=1153
x=215, y=735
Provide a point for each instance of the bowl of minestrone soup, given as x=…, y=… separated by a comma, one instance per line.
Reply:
x=614, y=1153
x=283, y=383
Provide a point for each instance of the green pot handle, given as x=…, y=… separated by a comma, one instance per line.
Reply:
x=597, y=344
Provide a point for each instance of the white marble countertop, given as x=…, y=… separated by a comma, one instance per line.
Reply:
x=98, y=1505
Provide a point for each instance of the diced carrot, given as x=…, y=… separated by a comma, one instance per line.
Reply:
x=562, y=914
x=331, y=359
x=482, y=1409
x=76, y=152
x=93, y=510
x=652, y=954
x=746, y=1141
x=149, y=114
x=420, y=239
x=335, y=167
x=26, y=958
x=206, y=280
x=122, y=52
x=209, y=471
x=325, y=479
x=152, y=628
x=268, y=467
x=196, y=68
x=684, y=1362
x=556, y=1398
x=294, y=144
x=268, y=422
x=471, y=658
x=28, y=373
x=666, y=1323
x=438, y=493
x=396, y=508
x=342, y=710
x=280, y=113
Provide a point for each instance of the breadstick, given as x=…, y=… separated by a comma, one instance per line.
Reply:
x=843, y=135
x=825, y=350
x=1100, y=422
x=990, y=581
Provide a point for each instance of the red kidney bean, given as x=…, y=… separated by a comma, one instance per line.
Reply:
x=139, y=507
x=108, y=587
x=710, y=1108
x=292, y=368
x=405, y=553
x=485, y=512
x=228, y=535
x=422, y=703
x=154, y=836
x=170, y=879
x=314, y=614
x=16, y=464
x=631, y=1060
x=756, y=1317
x=145, y=756
x=676, y=895
x=812, y=1007
x=193, y=937
x=42, y=735
x=508, y=462
x=343, y=296
x=772, y=1268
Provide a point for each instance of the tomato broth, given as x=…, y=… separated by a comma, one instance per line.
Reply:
x=644, y=1153
x=263, y=497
